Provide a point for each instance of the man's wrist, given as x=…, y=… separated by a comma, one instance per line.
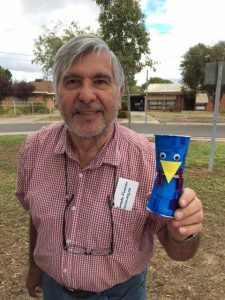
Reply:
x=189, y=239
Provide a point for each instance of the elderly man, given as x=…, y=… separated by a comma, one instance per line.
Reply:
x=83, y=245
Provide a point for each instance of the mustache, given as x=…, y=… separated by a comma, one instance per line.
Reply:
x=87, y=107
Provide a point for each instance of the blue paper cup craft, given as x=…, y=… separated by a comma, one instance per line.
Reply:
x=171, y=152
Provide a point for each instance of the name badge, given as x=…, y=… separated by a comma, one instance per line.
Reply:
x=125, y=193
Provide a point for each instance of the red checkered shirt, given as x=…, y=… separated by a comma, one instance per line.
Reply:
x=41, y=189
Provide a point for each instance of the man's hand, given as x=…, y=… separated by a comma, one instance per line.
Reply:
x=188, y=217
x=33, y=282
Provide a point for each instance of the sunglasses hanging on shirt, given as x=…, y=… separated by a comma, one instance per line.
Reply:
x=70, y=248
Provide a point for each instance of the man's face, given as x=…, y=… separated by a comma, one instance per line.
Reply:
x=89, y=98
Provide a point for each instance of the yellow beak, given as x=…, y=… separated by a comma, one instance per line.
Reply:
x=169, y=168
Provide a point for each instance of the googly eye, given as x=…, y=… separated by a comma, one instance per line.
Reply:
x=162, y=155
x=176, y=157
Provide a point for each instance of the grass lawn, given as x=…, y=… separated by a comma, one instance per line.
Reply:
x=186, y=117
x=203, y=277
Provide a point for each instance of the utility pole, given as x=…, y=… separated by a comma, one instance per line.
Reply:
x=215, y=115
x=146, y=103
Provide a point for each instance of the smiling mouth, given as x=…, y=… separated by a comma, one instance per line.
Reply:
x=88, y=112
x=87, y=115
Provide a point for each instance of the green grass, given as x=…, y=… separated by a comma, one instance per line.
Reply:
x=198, y=154
x=186, y=117
x=11, y=140
x=201, y=278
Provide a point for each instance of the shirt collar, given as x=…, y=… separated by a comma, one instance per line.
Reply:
x=109, y=154
x=63, y=145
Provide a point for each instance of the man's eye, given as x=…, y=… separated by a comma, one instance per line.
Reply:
x=101, y=83
x=70, y=83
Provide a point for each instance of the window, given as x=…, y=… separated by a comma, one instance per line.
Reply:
x=160, y=104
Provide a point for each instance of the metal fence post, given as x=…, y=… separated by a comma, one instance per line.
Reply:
x=14, y=107
x=215, y=116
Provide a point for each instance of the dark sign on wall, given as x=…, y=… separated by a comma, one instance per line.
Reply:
x=137, y=103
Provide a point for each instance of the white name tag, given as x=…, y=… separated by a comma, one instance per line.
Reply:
x=125, y=193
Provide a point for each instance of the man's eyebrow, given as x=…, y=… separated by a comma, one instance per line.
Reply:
x=68, y=75
x=100, y=75
x=103, y=76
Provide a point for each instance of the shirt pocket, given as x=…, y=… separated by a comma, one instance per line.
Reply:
x=125, y=226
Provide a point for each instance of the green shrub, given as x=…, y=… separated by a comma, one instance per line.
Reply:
x=222, y=111
x=124, y=105
x=123, y=114
x=27, y=109
x=18, y=111
x=39, y=108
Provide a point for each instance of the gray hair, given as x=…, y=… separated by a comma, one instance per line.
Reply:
x=81, y=45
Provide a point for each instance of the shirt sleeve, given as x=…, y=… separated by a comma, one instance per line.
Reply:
x=24, y=170
x=20, y=193
x=157, y=223
x=160, y=225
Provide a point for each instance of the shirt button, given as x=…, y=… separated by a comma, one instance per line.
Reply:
x=80, y=175
x=68, y=242
x=65, y=270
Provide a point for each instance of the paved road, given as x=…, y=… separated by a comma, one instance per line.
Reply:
x=204, y=131
x=195, y=131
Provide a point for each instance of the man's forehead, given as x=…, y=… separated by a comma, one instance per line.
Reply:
x=95, y=55
x=102, y=67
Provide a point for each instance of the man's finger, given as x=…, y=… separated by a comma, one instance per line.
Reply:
x=191, y=229
x=187, y=197
x=193, y=219
x=193, y=208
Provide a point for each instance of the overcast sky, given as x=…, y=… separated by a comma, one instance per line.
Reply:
x=174, y=26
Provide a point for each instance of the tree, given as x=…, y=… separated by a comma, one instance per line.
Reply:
x=155, y=80
x=193, y=67
x=122, y=27
x=22, y=89
x=5, y=73
x=134, y=88
x=217, y=54
x=47, y=44
x=5, y=83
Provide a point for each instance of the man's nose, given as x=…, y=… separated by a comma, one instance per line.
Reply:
x=86, y=93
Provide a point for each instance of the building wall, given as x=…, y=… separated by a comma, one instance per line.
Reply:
x=209, y=105
x=164, y=101
x=222, y=104
x=43, y=98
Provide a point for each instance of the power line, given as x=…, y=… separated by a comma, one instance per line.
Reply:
x=13, y=53
x=13, y=58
